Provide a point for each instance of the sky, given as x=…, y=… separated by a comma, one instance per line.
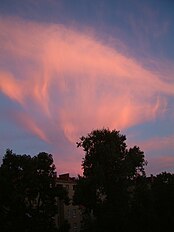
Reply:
x=68, y=67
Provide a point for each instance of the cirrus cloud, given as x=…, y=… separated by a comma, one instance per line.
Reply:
x=69, y=81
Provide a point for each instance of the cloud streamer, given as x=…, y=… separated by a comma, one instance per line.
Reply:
x=74, y=82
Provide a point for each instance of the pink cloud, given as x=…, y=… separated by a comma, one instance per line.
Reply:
x=30, y=125
x=68, y=166
x=75, y=81
x=158, y=143
x=160, y=164
x=11, y=87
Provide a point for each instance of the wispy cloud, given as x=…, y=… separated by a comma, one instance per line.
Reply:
x=73, y=83
x=30, y=125
x=158, y=143
x=77, y=79
x=160, y=164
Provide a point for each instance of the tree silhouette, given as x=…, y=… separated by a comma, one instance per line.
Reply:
x=163, y=201
x=28, y=193
x=108, y=182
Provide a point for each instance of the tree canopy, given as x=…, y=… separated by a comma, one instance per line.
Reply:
x=109, y=173
x=28, y=193
x=115, y=191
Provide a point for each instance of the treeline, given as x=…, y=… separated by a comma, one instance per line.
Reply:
x=28, y=193
x=114, y=192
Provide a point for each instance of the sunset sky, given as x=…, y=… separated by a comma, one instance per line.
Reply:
x=70, y=66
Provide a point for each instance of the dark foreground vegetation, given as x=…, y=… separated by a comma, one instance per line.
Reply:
x=114, y=191
x=28, y=193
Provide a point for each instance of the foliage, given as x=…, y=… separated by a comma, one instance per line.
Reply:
x=109, y=173
x=114, y=189
x=163, y=200
x=65, y=227
x=28, y=193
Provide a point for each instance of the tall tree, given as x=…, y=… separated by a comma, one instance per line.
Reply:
x=28, y=193
x=163, y=201
x=109, y=173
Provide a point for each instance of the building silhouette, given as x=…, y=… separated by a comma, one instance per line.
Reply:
x=68, y=213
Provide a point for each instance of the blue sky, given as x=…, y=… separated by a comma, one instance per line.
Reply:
x=70, y=66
